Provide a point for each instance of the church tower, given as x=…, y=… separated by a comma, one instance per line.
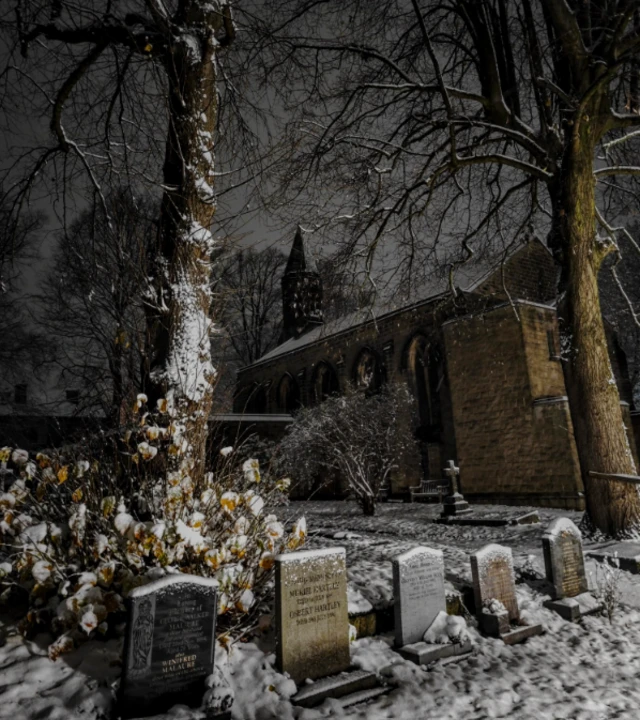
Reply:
x=301, y=291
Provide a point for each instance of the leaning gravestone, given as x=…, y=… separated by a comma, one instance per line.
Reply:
x=494, y=588
x=312, y=623
x=565, y=570
x=169, y=645
x=418, y=589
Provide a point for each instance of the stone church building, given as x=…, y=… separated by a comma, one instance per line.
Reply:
x=483, y=366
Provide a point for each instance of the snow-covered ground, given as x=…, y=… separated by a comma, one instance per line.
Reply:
x=585, y=671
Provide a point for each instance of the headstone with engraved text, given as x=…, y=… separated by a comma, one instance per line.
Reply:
x=565, y=570
x=418, y=588
x=169, y=645
x=311, y=613
x=563, y=558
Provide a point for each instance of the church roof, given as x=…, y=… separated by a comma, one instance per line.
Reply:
x=467, y=278
x=300, y=258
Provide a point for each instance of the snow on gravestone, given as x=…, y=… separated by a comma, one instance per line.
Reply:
x=311, y=613
x=169, y=644
x=563, y=559
x=494, y=579
x=418, y=588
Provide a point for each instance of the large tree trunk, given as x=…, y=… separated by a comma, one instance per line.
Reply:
x=179, y=324
x=603, y=446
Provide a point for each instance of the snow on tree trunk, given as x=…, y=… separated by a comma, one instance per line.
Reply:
x=178, y=318
x=603, y=446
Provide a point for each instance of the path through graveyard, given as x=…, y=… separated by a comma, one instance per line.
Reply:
x=574, y=671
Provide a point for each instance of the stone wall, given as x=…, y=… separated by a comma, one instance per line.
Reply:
x=513, y=427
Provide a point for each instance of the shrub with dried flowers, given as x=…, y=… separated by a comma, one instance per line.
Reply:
x=81, y=527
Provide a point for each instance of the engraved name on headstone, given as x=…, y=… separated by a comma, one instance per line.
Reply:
x=494, y=579
x=169, y=644
x=563, y=559
x=311, y=613
x=418, y=588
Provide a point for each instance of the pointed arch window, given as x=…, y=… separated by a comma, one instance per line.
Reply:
x=325, y=382
x=288, y=394
x=367, y=372
x=426, y=376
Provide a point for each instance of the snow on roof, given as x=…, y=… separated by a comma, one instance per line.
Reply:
x=466, y=279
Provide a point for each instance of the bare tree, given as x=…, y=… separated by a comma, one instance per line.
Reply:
x=19, y=343
x=91, y=305
x=131, y=90
x=354, y=436
x=448, y=127
x=248, y=285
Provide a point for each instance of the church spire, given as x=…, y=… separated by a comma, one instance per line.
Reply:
x=301, y=290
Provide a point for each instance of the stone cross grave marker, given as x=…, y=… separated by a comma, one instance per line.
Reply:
x=418, y=588
x=563, y=559
x=311, y=613
x=169, y=644
x=452, y=472
x=494, y=579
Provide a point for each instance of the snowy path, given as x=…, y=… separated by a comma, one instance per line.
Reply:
x=586, y=671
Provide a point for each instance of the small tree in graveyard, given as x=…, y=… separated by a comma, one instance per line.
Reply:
x=355, y=436
x=19, y=345
x=91, y=304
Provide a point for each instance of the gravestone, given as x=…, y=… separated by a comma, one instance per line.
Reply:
x=565, y=570
x=454, y=504
x=312, y=623
x=418, y=589
x=312, y=613
x=169, y=645
x=494, y=588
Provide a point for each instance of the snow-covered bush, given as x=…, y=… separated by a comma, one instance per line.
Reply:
x=355, y=437
x=607, y=588
x=80, y=528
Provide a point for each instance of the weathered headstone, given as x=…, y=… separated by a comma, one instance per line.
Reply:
x=312, y=614
x=169, y=644
x=313, y=628
x=494, y=588
x=565, y=570
x=418, y=589
x=563, y=559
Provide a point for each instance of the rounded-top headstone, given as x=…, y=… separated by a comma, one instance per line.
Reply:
x=169, y=644
x=563, y=558
x=494, y=579
x=418, y=588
